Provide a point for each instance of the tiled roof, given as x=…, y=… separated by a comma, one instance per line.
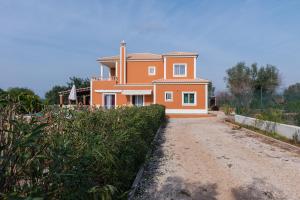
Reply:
x=134, y=56
x=197, y=80
x=147, y=56
x=178, y=53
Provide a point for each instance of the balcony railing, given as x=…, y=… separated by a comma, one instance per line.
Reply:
x=101, y=78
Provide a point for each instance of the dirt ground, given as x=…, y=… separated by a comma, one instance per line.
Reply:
x=207, y=159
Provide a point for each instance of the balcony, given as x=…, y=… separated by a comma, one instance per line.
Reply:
x=101, y=78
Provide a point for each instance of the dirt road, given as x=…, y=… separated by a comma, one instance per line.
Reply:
x=207, y=159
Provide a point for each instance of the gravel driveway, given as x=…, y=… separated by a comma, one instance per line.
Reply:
x=209, y=159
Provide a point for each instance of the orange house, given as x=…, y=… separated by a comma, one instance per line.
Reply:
x=144, y=78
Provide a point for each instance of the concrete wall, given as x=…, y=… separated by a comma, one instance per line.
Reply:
x=288, y=131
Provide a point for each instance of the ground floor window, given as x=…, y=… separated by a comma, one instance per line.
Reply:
x=109, y=101
x=189, y=98
x=168, y=96
x=137, y=100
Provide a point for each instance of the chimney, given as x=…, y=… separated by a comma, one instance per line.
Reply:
x=123, y=62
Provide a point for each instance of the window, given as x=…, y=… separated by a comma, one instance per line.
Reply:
x=151, y=70
x=109, y=101
x=138, y=100
x=179, y=70
x=189, y=98
x=168, y=96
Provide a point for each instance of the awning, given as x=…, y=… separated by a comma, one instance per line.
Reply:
x=137, y=92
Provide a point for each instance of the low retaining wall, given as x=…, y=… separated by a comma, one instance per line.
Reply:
x=288, y=131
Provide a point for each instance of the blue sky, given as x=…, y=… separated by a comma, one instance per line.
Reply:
x=42, y=43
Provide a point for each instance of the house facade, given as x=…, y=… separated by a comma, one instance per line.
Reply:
x=144, y=78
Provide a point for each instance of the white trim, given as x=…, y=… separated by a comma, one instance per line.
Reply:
x=178, y=83
x=136, y=92
x=189, y=104
x=186, y=56
x=185, y=69
x=116, y=75
x=206, y=97
x=195, y=68
x=169, y=100
x=165, y=68
x=91, y=93
x=186, y=111
x=125, y=67
x=135, y=85
x=141, y=60
x=101, y=70
x=154, y=95
x=154, y=70
x=109, y=91
x=121, y=64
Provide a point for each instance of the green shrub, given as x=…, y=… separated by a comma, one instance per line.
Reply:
x=227, y=109
x=297, y=119
x=273, y=115
x=75, y=154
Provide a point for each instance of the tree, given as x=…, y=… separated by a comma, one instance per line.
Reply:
x=292, y=93
x=78, y=82
x=252, y=85
x=211, y=90
x=27, y=100
x=266, y=82
x=52, y=96
x=240, y=84
x=292, y=98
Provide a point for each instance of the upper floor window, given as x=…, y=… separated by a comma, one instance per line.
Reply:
x=151, y=70
x=168, y=96
x=189, y=98
x=179, y=70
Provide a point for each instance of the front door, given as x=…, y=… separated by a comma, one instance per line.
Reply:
x=109, y=101
x=137, y=100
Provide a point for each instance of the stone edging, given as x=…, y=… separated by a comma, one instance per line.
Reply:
x=142, y=168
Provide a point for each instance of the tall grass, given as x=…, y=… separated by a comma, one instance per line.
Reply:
x=74, y=154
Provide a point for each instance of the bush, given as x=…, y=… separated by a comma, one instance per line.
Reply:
x=297, y=119
x=227, y=109
x=75, y=154
x=272, y=115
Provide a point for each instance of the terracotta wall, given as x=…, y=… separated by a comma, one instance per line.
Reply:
x=177, y=95
x=187, y=60
x=137, y=71
x=121, y=99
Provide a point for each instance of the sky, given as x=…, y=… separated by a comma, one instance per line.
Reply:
x=44, y=42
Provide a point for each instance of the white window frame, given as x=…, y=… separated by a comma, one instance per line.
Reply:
x=109, y=93
x=154, y=69
x=168, y=100
x=180, y=75
x=195, y=98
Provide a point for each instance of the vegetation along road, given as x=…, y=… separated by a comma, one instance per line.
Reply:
x=209, y=159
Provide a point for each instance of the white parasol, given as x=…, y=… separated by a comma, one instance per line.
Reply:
x=73, y=94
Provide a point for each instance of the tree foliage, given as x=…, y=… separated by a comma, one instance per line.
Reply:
x=52, y=96
x=240, y=84
x=292, y=93
x=26, y=99
x=78, y=82
x=250, y=85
